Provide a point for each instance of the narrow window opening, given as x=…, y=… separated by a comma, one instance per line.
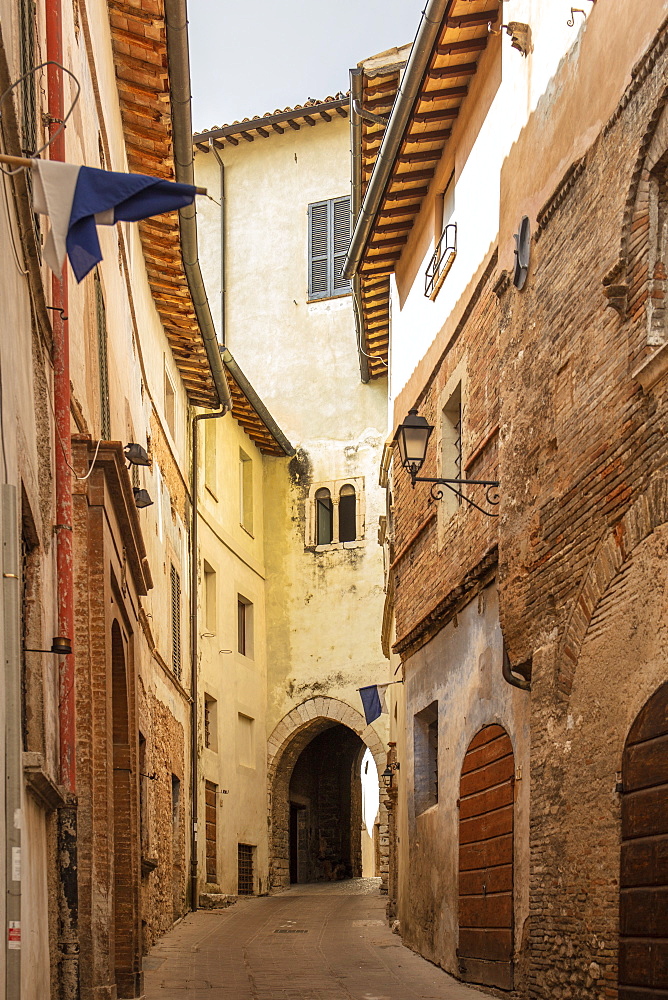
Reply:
x=170, y=405
x=210, y=598
x=244, y=626
x=347, y=514
x=425, y=746
x=210, y=456
x=451, y=445
x=210, y=723
x=246, y=740
x=324, y=511
x=246, y=491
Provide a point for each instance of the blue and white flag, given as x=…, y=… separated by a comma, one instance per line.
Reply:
x=373, y=700
x=78, y=199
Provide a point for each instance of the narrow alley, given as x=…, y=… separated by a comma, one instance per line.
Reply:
x=322, y=941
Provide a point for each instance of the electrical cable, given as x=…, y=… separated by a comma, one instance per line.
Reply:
x=63, y=123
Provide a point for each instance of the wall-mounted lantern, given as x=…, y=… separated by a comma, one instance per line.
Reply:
x=136, y=455
x=142, y=498
x=388, y=773
x=412, y=438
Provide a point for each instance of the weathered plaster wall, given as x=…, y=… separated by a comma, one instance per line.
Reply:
x=322, y=607
x=237, y=682
x=461, y=669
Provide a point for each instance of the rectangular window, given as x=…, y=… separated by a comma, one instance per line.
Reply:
x=244, y=626
x=210, y=723
x=170, y=405
x=246, y=740
x=328, y=242
x=102, y=360
x=176, y=622
x=347, y=514
x=451, y=445
x=245, y=491
x=211, y=811
x=425, y=748
x=210, y=598
x=246, y=875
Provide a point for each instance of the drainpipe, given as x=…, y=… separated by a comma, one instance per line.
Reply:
x=176, y=22
x=68, y=944
x=223, y=316
x=194, y=636
x=409, y=88
x=355, y=202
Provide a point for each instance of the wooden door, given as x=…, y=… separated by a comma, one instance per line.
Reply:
x=211, y=817
x=643, y=909
x=486, y=806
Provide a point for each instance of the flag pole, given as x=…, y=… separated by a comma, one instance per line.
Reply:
x=23, y=161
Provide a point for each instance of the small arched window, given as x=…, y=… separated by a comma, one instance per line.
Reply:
x=347, y=514
x=324, y=520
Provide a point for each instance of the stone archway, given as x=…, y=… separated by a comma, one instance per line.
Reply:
x=648, y=513
x=289, y=739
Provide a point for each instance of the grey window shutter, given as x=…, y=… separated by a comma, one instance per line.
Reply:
x=340, y=242
x=318, y=233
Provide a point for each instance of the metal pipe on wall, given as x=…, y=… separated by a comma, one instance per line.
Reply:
x=11, y=582
x=68, y=896
x=223, y=282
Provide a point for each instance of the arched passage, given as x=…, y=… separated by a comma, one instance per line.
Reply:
x=643, y=909
x=314, y=762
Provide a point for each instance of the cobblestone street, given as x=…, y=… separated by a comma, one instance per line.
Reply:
x=315, y=942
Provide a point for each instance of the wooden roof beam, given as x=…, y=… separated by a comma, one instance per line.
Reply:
x=439, y=136
x=247, y=136
x=398, y=210
x=294, y=125
x=276, y=127
x=263, y=132
x=447, y=94
x=477, y=17
x=453, y=71
x=394, y=242
x=440, y=114
x=342, y=111
x=468, y=45
x=407, y=193
x=419, y=157
x=413, y=175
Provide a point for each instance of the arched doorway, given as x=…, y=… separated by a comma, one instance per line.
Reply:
x=643, y=909
x=486, y=820
x=126, y=958
x=325, y=795
x=315, y=800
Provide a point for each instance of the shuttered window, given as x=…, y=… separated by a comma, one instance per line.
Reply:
x=329, y=239
x=176, y=623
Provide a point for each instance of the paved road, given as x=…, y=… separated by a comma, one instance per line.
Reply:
x=321, y=942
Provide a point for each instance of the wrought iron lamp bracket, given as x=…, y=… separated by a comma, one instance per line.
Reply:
x=491, y=493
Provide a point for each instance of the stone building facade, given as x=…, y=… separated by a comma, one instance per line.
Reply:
x=283, y=180
x=532, y=644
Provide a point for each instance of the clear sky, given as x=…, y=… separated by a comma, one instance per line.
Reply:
x=248, y=57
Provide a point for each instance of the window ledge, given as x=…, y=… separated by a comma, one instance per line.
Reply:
x=334, y=546
x=210, y=492
x=249, y=533
x=328, y=298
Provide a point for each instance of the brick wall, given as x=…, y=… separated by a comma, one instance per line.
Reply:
x=581, y=548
